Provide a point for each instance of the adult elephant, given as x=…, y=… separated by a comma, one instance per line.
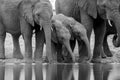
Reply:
x=110, y=30
x=21, y=17
x=93, y=14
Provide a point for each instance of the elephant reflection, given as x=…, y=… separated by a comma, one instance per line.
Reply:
x=16, y=71
x=45, y=72
x=38, y=68
x=59, y=72
x=51, y=72
x=101, y=71
x=28, y=71
x=2, y=71
x=67, y=73
x=84, y=71
x=114, y=73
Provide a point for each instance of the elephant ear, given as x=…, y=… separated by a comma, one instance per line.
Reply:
x=90, y=6
x=27, y=12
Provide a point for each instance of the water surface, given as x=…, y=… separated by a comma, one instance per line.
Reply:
x=22, y=71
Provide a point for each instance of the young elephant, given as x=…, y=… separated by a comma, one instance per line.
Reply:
x=77, y=31
x=60, y=37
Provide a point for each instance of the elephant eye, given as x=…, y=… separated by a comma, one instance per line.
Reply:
x=38, y=15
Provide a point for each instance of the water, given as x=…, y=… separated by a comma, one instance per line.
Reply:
x=10, y=71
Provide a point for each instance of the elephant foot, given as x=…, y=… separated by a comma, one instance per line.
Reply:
x=2, y=56
x=26, y=60
x=96, y=60
x=38, y=60
x=60, y=59
x=103, y=55
x=108, y=53
x=83, y=59
x=53, y=61
x=67, y=59
x=45, y=60
x=18, y=55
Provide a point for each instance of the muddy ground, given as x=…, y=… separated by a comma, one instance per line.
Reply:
x=9, y=49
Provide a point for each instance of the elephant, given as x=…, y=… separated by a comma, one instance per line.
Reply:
x=93, y=15
x=110, y=29
x=69, y=29
x=60, y=36
x=21, y=17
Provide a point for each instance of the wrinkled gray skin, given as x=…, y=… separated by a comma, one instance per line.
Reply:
x=60, y=37
x=93, y=14
x=77, y=31
x=21, y=17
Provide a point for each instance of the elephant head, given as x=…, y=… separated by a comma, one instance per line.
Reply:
x=39, y=13
x=108, y=9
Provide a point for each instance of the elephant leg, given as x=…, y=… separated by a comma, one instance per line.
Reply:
x=85, y=42
x=2, y=45
x=99, y=30
x=54, y=51
x=26, y=31
x=28, y=47
x=16, y=50
x=87, y=21
x=40, y=40
x=60, y=57
x=106, y=48
x=65, y=52
x=68, y=48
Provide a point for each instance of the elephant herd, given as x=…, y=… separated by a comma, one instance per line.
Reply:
x=74, y=21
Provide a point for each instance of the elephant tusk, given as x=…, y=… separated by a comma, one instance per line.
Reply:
x=40, y=28
x=51, y=28
x=34, y=31
x=110, y=23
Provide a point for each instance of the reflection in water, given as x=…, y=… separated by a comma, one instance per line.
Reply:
x=84, y=72
x=2, y=71
x=115, y=73
x=101, y=71
x=38, y=72
x=59, y=71
x=17, y=71
x=28, y=71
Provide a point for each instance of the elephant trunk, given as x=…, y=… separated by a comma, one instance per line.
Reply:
x=116, y=38
x=87, y=44
x=67, y=45
x=47, y=30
